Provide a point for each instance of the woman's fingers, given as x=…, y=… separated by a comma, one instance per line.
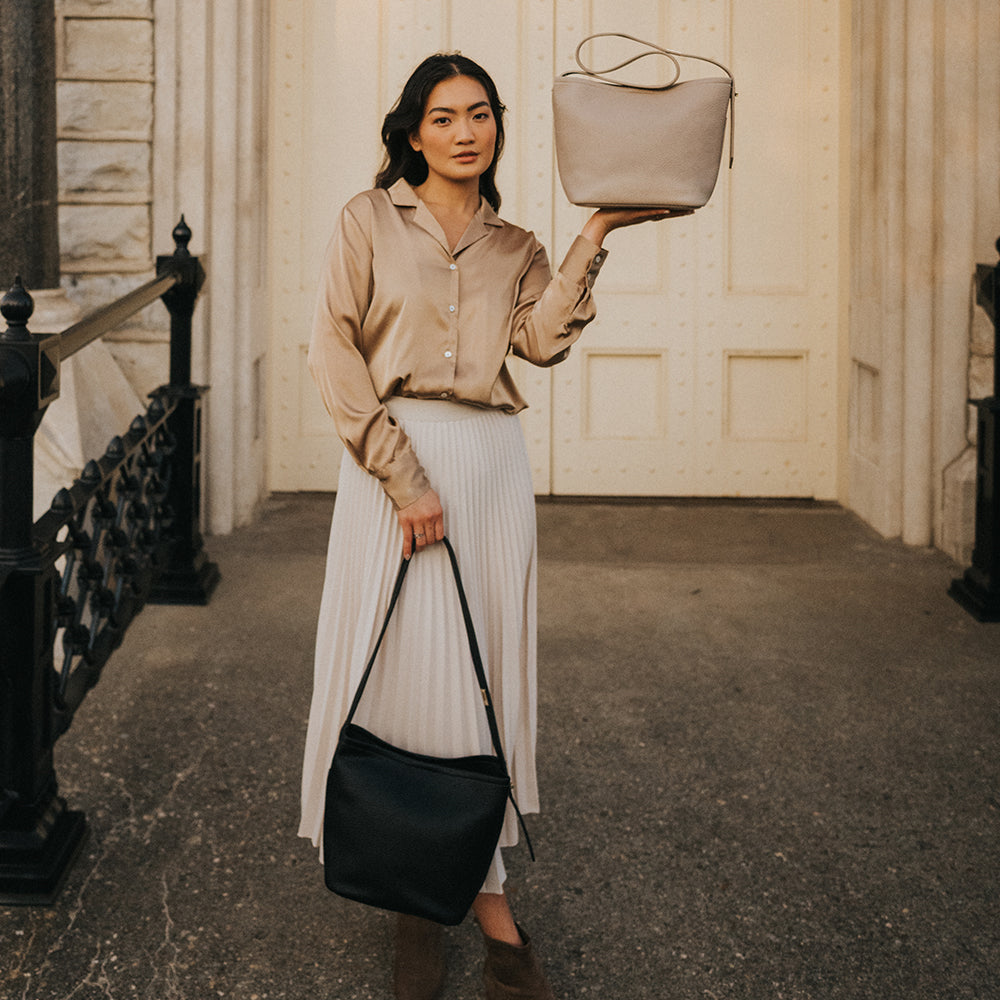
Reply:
x=606, y=220
x=618, y=219
x=422, y=523
x=429, y=533
x=424, y=535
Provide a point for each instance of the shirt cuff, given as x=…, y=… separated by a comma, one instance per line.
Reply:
x=583, y=261
x=404, y=480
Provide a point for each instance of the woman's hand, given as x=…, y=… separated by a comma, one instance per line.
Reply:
x=604, y=220
x=422, y=522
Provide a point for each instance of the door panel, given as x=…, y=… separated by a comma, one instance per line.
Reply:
x=714, y=354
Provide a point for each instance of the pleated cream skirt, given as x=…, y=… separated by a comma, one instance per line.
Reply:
x=423, y=694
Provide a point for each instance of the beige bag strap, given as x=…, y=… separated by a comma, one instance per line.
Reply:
x=653, y=49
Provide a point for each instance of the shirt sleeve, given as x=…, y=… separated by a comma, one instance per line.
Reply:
x=551, y=312
x=338, y=366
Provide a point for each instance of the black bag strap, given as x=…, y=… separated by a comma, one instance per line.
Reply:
x=477, y=663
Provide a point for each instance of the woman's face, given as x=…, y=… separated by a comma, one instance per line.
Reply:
x=458, y=132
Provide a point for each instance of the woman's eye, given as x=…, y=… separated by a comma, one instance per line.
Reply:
x=440, y=121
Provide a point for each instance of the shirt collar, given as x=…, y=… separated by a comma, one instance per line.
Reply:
x=403, y=196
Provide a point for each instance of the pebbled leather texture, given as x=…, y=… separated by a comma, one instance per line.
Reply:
x=621, y=146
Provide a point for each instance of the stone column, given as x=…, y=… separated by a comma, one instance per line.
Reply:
x=210, y=165
x=28, y=194
x=925, y=211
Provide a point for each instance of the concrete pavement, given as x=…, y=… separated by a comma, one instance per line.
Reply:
x=768, y=755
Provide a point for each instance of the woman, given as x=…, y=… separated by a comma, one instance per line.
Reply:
x=424, y=293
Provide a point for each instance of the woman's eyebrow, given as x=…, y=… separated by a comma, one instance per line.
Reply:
x=451, y=111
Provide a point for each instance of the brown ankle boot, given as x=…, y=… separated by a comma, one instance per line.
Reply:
x=418, y=967
x=514, y=972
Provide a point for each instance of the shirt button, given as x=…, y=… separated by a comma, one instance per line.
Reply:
x=452, y=267
x=451, y=309
x=445, y=395
x=598, y=258
x=447, y=354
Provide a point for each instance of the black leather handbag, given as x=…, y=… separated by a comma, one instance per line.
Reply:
x=409, y=832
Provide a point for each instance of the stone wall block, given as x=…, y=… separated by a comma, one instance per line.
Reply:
x=104, y=237
x=980, y=376
x=958, y=530
x=145, y=365
x=93, y=291
x=87, y=109
x=983, y=339
x=105, y=8
x=104, y=171
x=107, y=49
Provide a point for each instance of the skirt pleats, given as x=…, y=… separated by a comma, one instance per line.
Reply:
x=423, y=695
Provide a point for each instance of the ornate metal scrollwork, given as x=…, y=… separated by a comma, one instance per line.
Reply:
x=110, y=533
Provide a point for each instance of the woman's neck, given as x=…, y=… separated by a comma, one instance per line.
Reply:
x=455, y=200
x=452, y=205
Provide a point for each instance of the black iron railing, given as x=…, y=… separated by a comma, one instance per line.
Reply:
x=978, y=589
x=124, y=534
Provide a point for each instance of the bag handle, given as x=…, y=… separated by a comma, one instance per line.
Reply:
x=652, y=49
x=477, y=663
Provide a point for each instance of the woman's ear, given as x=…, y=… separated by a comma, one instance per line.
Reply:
x=414, y=138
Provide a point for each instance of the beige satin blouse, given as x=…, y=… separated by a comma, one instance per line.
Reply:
x=400, y=314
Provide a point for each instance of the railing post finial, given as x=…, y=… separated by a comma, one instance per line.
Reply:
x=17, y=306
x=182, y=237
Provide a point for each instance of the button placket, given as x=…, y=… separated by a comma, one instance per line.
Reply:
x=449, y=351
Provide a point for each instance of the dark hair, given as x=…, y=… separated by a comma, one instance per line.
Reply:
x=401, y=159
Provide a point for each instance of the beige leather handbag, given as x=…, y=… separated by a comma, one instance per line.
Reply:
x=621, y=145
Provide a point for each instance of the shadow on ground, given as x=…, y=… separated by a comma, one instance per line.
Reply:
x=768, y=754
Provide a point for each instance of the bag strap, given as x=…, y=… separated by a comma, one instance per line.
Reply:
x=652, y=49
x=477, y=663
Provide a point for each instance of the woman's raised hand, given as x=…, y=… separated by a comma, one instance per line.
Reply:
x=604, y=220
x=422, y=522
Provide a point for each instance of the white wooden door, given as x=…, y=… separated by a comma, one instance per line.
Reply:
x=712, y=368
